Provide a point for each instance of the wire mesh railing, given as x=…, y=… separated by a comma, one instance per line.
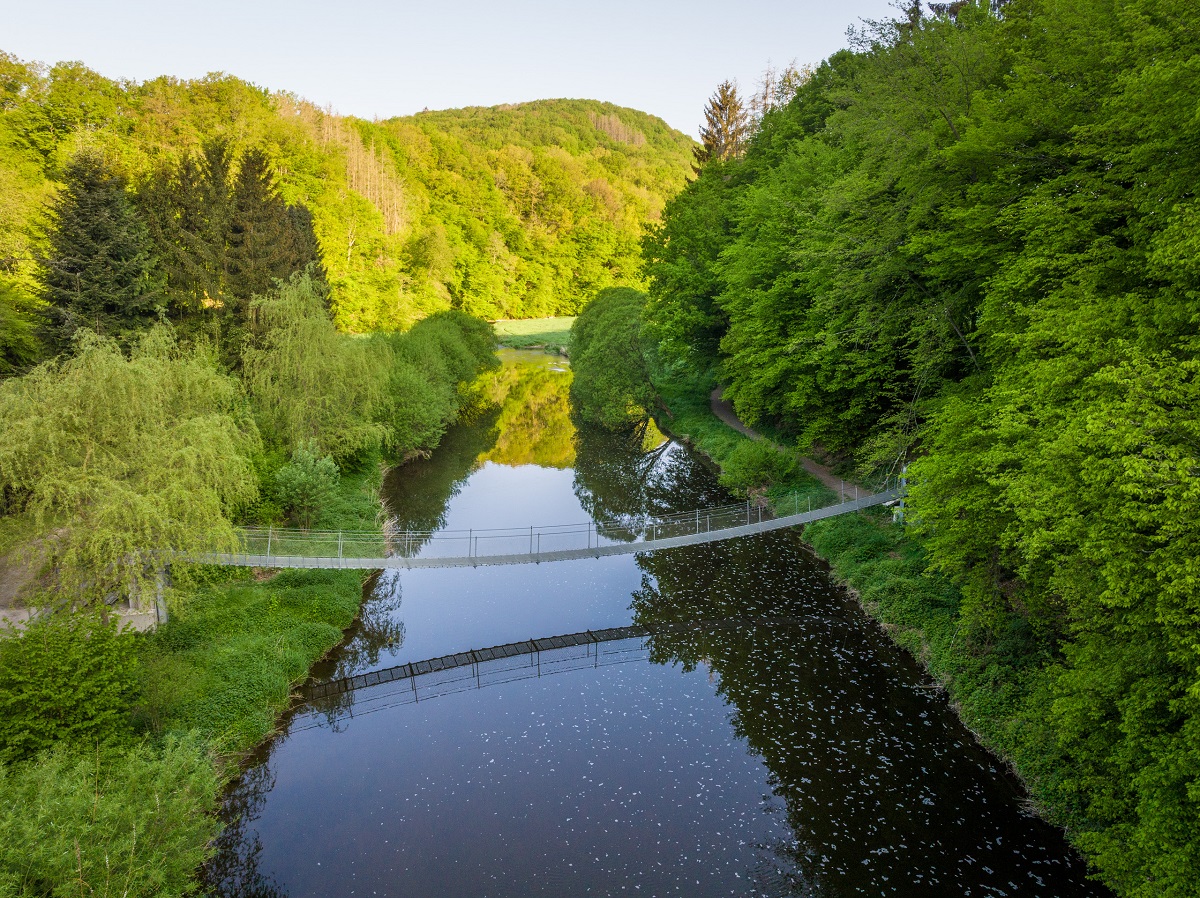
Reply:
x=274, y=543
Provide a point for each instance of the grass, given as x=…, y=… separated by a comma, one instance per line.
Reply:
x=551, y=334
x=226, y=662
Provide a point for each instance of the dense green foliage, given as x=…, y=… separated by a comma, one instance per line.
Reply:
x=67, y=678
x=511, y=212
x=223, y=234
x=133, y=822
x=117, y=457
x=612, y=383
x=969, y=244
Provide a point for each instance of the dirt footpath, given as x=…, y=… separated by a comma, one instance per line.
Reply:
x=723, y=409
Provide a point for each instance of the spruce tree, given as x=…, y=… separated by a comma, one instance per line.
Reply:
x=268, y=240
x=187, y=211
x=726, y=125
x=97, y=273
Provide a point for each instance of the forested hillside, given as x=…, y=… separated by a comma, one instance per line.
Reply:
x=507, y=212
x=969, y=244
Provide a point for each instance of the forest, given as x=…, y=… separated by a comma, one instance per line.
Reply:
x=506, y=212
x=966, y=251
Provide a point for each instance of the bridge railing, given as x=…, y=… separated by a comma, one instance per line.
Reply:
x=276, y=542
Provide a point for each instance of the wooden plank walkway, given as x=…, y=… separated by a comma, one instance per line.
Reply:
x=698, y=537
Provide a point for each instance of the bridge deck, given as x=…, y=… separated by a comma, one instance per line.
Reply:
x=698, y=537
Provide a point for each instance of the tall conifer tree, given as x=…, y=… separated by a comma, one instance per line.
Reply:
x=726, y=125
x=97, y=273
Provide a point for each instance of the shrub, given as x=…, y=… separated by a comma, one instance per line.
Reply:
x=131, y=823
x=755, y=463
x=67, y=677
x=306, y=483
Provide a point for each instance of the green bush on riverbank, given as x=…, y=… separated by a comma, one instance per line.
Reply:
x=128, y=822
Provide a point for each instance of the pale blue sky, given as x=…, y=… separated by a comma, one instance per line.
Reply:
x=377, y=59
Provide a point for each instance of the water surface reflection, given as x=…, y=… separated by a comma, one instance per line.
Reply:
x=789, y=750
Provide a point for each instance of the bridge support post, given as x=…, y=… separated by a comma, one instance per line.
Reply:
x=162, y=579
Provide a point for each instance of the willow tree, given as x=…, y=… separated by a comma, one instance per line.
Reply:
x=309, y=383
x=122, y=461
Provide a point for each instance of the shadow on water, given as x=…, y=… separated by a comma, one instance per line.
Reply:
x=807, y=756
x=881, y=784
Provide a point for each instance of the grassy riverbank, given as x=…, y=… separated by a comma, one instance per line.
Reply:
x=240, y=641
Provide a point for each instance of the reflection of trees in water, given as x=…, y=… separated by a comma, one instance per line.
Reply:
x=233, y=871
x=534, y=425
x=622, y=476
x=524, y=420
x=418, y=492
x=379, y=627
x=876, y=780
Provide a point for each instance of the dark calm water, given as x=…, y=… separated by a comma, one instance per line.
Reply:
x=783, y=747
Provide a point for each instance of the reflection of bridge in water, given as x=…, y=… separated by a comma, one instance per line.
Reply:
x=272, y=548
x=449, y=674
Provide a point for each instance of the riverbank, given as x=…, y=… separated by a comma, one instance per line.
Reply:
x=991, y=687
x=153, y=725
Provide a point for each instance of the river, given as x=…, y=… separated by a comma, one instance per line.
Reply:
x=774, y=742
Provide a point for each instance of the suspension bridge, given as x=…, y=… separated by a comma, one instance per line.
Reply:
x=410, y=549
